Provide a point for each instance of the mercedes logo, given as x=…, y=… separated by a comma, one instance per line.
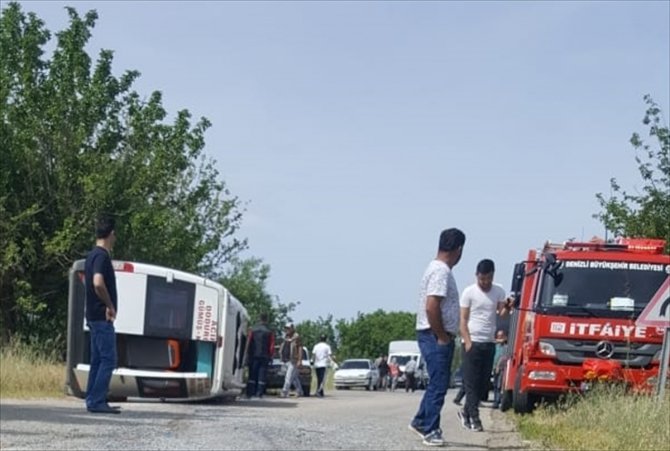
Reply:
x=604, y=349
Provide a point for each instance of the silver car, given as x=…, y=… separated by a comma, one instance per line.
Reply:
x=356, y=373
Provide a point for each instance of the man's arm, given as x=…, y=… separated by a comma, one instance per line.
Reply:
x=434, y=315
x=298, y=344
x=101, y=291
x=465, y=333
x=505, y=307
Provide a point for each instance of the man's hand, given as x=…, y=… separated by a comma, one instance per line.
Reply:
x=443, y=339
x=110, y=314
x=468, y=345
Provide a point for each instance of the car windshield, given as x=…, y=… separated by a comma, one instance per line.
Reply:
x=601, y=288
x=401, y=359
x=355, y=365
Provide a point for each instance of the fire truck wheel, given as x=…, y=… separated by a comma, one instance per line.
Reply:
x=505, y=400
x=520, y=400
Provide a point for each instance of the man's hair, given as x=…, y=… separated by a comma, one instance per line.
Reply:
x=263, y=317
x=104, y=225
x=485, y=266
x=322, y=337
x=451, y=239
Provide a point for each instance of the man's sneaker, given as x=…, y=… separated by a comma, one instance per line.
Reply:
x=433, y=438
x=476, y=426
x=416, y=429
x=464, y=419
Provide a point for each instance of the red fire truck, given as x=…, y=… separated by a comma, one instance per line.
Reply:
x=584, y=312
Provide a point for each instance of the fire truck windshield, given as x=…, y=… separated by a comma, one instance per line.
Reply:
x=598, y=288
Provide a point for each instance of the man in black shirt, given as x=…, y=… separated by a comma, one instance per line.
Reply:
x=101, y=307
x=260, y=348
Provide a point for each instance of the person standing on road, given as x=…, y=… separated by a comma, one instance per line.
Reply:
x=260, y=347
x=291, y=355
x=383, y=368
x=480, y=302
x=322, y=359
x=394, y=373
x=499, y=360
x=437, y=323
x=101, y=309
x=410, y=371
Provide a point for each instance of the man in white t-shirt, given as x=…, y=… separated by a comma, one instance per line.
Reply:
x=480, y=303
x=436, y=326
x=322, y=355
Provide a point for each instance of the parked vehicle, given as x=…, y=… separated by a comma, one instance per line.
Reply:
x=179, y=336
x=402, y=351
x=356, y=373
x=277, y=372
x=586, y=311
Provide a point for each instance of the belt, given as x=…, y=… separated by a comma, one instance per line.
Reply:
x=449, y=334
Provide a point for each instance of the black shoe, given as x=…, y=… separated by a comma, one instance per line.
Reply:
x=103, y=409
x=464, y=419
x=476, y=426
x=457, y=402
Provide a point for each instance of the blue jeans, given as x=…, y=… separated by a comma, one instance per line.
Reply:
x=258, y=369
x=103, y=362
x=438, y=361
x=292, y=378
x=497, y=388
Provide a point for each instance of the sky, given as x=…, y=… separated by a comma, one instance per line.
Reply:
x=355, y=132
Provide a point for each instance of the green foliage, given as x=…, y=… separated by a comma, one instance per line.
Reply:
x=647, y=212
x=311, y=331
x=369, y=335
x=246, y=280
x=608, y=418
x=76, y=140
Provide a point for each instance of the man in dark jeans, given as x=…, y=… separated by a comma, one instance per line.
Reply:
x=101, y=307
x=480, y=303
x=260, y=347
x=383, y=368
x=437, y=324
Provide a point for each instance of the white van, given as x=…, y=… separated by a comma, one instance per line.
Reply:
x=402, y=351
x=179, y=336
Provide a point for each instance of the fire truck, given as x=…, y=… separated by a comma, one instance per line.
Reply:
x=586, y=312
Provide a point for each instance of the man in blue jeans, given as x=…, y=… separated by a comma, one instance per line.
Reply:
x=101, y=306
x=437, y=323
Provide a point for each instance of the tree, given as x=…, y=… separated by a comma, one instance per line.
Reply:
x=647, y=212
x=311, y=331
x=369, y=334
x=75, y=141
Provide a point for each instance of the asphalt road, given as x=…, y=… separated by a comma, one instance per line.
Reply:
x=349, y=419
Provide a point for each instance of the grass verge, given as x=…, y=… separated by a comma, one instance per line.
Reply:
x=25, y=373
x=605, y=419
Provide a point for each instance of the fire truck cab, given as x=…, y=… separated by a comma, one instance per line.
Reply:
x=575, y=320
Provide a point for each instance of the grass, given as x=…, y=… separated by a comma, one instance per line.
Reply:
x=605, y=419
x=25, y=373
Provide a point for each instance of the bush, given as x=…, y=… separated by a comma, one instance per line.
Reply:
x=607, y=418
x=29, y=372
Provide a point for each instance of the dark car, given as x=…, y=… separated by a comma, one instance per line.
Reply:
x=456, y=378
x=277, y=372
